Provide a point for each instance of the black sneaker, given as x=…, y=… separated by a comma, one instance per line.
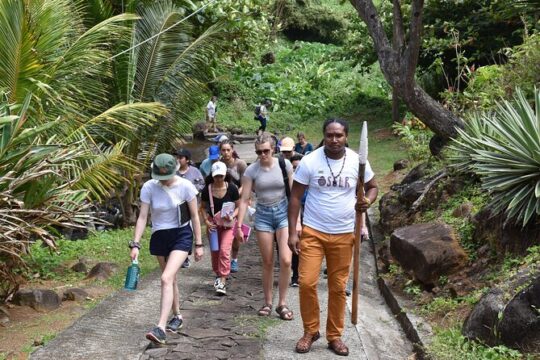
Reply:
x=186, y=264
x=294, y=282
x=175, y=324
x=157, y=335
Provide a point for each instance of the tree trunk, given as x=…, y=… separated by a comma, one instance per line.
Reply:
x=395, y=107
x=129, y=214
x=398, y=60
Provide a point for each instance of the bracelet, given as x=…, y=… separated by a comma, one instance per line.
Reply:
x=134, y=244
x=199, y=245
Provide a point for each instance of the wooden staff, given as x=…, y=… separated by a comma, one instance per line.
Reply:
x=359, y=222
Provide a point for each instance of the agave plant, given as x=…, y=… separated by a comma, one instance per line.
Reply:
x=503, y=148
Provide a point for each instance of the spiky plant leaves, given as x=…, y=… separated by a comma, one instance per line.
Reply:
x=503, y=148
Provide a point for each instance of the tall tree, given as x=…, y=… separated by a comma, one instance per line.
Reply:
x=398, y=64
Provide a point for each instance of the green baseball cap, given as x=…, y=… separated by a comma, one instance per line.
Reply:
x=164, y=167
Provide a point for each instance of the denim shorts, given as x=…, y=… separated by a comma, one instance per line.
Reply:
x=164, y=241
x=270, y=218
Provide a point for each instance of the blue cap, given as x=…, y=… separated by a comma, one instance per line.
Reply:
x=213, y=152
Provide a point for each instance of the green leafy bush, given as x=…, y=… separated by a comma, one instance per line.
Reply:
x=503, y=149
x=414, y=134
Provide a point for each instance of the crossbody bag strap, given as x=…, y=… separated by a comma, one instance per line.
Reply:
x=179, y=204
x=283, y=167
x=211, y=196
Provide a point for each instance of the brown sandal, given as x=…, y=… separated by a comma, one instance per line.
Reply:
x=304, y=344
x=284, y=312
x=338, y=347
x=265, y=310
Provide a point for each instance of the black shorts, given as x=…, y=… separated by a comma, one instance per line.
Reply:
x=164, y=241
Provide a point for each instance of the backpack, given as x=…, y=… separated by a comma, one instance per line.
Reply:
x=258, y=110
x=281, y=161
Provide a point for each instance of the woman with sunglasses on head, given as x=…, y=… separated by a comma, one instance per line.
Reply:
x=266, y=179
x=172, y=236
x=219, y=190
x=235, y=169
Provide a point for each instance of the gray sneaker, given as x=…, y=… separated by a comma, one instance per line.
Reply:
x=175, y=324
x=157, y=335
x=220, y=289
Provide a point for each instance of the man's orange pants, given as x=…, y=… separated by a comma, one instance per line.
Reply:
x=338, y=249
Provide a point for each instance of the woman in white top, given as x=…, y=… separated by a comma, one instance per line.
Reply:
x=265, y=178
x=172, y=235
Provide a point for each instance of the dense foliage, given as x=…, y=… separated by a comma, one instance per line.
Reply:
x=473, y=33
x=77, y=123
x=311, y=23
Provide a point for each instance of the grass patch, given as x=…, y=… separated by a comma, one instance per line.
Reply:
x=449, y=344
x=258, y=325
x=106, y=246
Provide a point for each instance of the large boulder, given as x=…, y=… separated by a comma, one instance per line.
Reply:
x=429, y=250
x=410, y=193
x=37, y=298
x=481, y=324
x=415, y=174
x=519, y=326
x=514, y=323
x=491, y=229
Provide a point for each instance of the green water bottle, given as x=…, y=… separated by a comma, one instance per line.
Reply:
x=132, y=276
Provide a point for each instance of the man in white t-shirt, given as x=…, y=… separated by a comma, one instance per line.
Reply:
x=211, y=110
x=330, y=173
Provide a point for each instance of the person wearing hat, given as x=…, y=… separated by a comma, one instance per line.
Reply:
x=219, y=190
x=191, y=173
x=206, y=165
x=171, y=201
x=286, y=148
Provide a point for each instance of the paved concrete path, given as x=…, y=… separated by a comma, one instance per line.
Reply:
x=376, y=336
x=223, y=327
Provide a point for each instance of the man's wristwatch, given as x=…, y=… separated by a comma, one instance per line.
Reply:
x=133, y=244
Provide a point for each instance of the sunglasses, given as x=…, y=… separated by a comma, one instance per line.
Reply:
x=264, y=151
